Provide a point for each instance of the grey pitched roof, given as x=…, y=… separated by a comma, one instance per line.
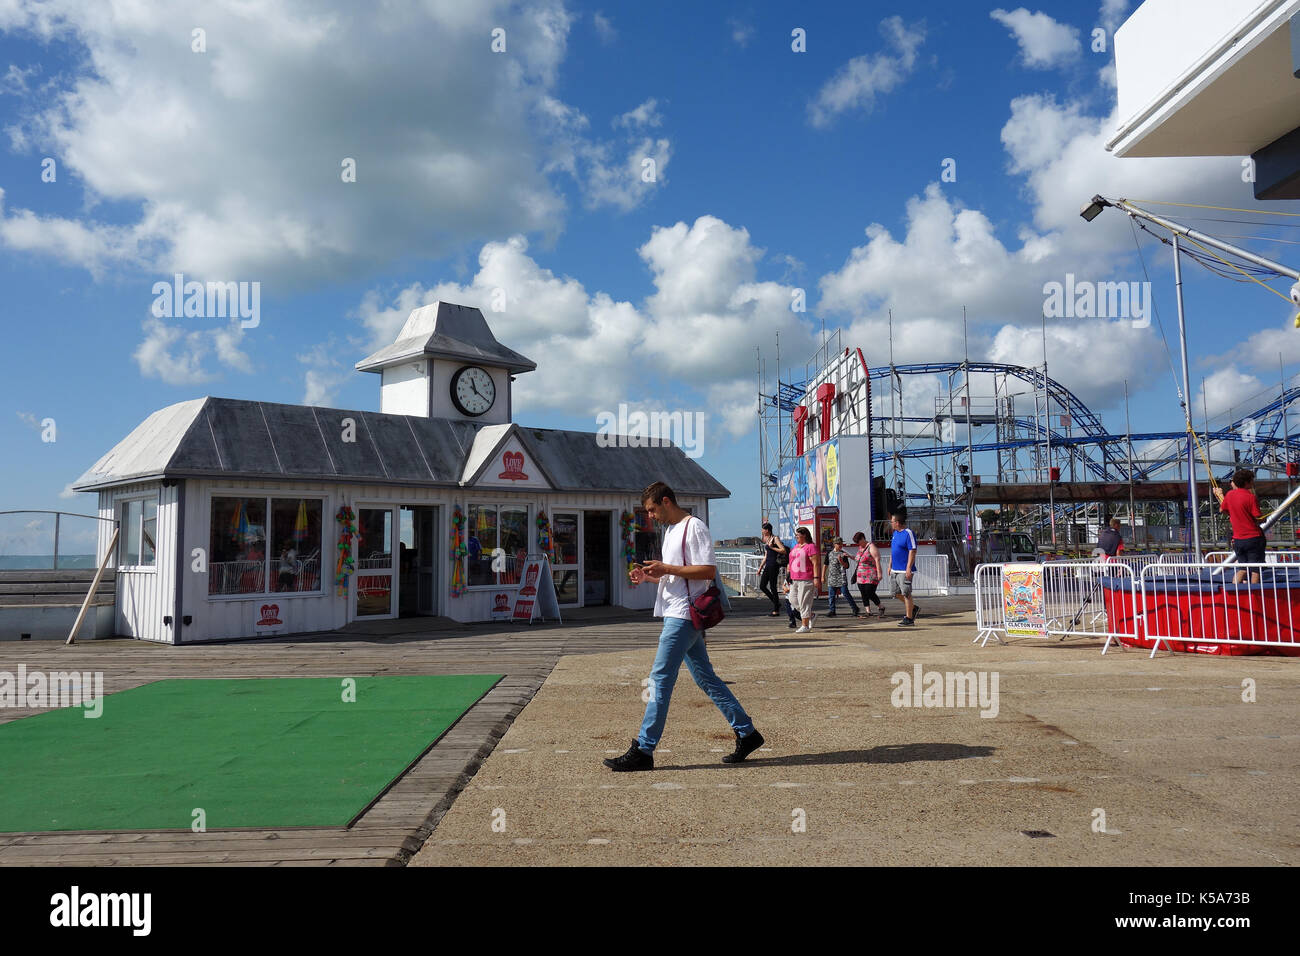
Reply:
x=574, y=460
x=233, y=438
x=446, y=330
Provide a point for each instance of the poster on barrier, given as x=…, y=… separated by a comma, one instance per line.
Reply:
x=1023, y=607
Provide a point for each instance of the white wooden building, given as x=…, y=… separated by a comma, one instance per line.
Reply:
x=229, y=509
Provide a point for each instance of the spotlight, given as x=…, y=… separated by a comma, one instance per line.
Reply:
x=1093, y=209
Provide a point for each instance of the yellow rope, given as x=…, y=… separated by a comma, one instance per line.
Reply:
x=1239, y=269
x=1205, y=459
x=1192, y=205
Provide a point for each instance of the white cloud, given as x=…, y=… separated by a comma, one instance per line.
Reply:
x=30, y=420
x=325, y=373
x=15, y=79
x=1229, y=388
x=1091, y=357
x=604, y=28
x=177, y=357
x=697, y=331
x=628, y=181
x=608, y=172
x=958, y=247
x=858, y=83
x=741, y=32
x=1267, y=348
x=734, y=406
x=1044, y=42
x=449, y=152
x=1113, y=14
x=948, y=256
x=67, y=491
x=647, y=114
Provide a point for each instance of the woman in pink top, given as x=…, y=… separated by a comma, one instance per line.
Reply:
x=805, y=577
x=868, y=574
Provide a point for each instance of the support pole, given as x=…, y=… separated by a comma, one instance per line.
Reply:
x=1286, y=436
x=94, y=586
x=1187, y=411
x=1047, y=436
x=1128, y=432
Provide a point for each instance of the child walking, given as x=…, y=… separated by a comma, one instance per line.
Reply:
x=837, y=567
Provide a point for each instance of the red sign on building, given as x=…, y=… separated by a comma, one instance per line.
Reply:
x=513, y=463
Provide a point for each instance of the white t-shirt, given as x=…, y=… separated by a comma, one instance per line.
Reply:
x=671, y=600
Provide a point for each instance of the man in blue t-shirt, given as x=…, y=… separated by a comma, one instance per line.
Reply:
x=902, y=562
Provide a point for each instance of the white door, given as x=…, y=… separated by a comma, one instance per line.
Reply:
x=566, y=535
x=375, y=590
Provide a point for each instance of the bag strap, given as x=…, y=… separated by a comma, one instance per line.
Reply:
x=685, y=559
x=686, y=526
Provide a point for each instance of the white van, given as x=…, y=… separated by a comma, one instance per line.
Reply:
x=1007, y=546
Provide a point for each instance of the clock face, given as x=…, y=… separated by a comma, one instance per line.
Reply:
x=472, y=390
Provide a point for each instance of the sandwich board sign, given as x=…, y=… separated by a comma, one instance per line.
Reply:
x=536, y=597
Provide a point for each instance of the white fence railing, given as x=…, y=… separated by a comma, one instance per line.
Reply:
x=1182, y=606
x=1199, y=605
x=929, y=578
x=1270, y=557
x=929, y=574
x=1075, y=599
x=742, y=569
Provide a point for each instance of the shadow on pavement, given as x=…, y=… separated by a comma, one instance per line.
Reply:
x=892, y=753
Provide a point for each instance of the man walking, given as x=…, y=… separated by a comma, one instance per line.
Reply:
x=687, y=557
x=902, y=562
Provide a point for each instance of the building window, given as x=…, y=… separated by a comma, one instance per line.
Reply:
x=648, y=543
x=295, y=544
x=239, y=561
x=497, y=544
x=139, y=518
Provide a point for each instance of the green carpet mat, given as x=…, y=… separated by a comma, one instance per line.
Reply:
x=248, y=753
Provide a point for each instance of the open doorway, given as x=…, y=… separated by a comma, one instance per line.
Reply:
x=596, y=557
x=418, y=561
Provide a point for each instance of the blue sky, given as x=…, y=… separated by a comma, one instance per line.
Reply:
x=519, y=170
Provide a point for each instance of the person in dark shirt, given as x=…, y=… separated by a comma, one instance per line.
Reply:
x=1242, y=507
x=774, y=556
x=1110, y=540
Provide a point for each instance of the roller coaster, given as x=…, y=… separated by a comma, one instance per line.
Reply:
x=1062, y=439
x=1019, y=430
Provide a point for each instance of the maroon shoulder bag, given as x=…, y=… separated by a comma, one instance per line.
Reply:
x=706, y=610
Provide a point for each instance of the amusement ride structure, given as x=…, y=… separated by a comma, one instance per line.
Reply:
x=997, y=424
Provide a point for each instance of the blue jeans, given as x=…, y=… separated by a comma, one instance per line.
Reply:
x=847, y=595
x=677, y=642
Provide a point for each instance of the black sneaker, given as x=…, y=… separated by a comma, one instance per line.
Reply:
x=830, y=614
x=903, y=622
x=634, y=759
x=793, y=624
x=745, y=746
x=916, y=610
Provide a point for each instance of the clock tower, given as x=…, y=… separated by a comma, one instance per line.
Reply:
x=446, y=363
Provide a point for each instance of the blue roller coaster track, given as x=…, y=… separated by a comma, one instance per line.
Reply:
x=1110, y=462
